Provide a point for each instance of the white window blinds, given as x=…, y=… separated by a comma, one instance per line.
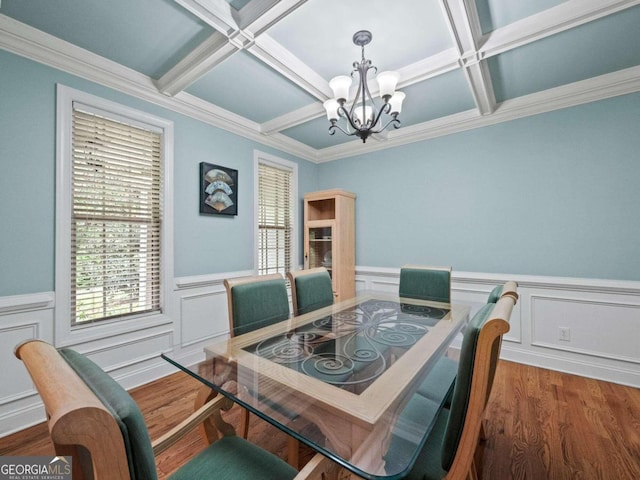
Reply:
x=274, y=219
x=116, y=219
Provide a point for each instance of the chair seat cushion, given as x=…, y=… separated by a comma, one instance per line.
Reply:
x=233, y=458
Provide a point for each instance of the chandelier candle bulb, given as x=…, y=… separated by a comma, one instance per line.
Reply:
x=368, y=114
x=396, y=103
x=387, y=82
x=331, y=106
x=340, y=86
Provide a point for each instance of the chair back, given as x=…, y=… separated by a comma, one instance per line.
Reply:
x=479, y=356
x=310, y=290
x=426, y=283
x=495, y=294
x=91, y=417
x=256, y=302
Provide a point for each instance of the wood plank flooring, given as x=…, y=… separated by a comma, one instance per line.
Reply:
x=540, y=425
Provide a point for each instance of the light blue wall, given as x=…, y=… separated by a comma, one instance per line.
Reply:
x=553, y=194
x=203, y=244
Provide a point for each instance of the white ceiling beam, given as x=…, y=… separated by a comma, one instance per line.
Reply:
x=217, y=13
x=291, y=119
x=234, y=31
x=259, y=15
x=464, y=27
x=429, y=67
x=565, y=16
x=272, y=53
x=198, y=62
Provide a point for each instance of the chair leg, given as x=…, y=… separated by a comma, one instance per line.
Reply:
x=207, y=429
x=244, y=423
x=473, y=472
x=478, y=456
x=293, y=452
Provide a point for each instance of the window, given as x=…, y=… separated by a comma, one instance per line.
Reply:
x=113, y=224
x=115, y=220
x=276, y=193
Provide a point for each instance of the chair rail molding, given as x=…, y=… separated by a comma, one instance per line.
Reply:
x=559, y=322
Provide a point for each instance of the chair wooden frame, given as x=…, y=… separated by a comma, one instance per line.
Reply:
x=466, y=461
x=291, y=276
x=82, y=427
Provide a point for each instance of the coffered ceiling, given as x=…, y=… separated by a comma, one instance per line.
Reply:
x=260, y=68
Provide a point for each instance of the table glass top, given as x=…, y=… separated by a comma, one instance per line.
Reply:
x=347, y=379
x=351, y=348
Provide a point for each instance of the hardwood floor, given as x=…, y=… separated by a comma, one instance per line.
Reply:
x=540, y=425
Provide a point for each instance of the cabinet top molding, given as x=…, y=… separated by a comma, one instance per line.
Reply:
x=328, y=193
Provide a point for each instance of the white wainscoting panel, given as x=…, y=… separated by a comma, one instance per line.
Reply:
x=203, y=316
x=22, y=317
x=599, y=320
x=594, y=328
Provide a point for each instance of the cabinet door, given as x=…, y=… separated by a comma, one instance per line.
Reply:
x=320, y=248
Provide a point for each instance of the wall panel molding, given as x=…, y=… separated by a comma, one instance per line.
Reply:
x=31, y=301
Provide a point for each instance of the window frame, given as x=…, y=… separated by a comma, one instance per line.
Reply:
x=64, y=332
x=273, y=161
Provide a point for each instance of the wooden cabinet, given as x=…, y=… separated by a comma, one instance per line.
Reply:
x=329, y=238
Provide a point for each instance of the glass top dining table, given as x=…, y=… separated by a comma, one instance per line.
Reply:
x=340, y=378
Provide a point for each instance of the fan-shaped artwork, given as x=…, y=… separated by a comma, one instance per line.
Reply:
x=218, y=194
x=218, y=185
x=219, y=200
x=217, y=174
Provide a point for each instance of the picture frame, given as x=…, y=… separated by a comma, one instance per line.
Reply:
x=218, y=190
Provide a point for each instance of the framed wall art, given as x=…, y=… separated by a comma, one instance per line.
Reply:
x=218, y=190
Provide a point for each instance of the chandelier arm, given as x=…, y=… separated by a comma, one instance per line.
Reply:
x=332, y=130
x=384, y=109
x=396, y=124
x=349, y=118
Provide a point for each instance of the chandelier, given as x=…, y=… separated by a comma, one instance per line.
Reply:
x=363, y=117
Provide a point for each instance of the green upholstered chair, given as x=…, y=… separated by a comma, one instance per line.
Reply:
x=256, y=302
x=310, y=290
x=426, y=283
x=93, y=419
x=449, y=451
